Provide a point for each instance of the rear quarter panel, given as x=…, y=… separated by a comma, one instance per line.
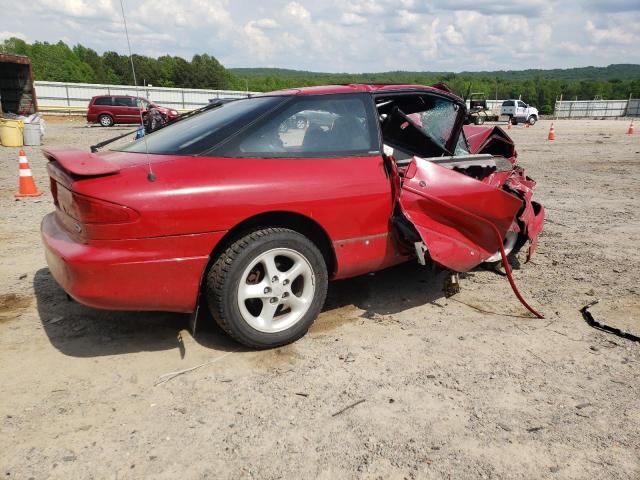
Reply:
x=350, y=198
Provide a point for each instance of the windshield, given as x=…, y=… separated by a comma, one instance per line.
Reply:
x=198, y=134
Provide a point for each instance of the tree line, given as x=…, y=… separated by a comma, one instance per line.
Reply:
x=60, y=62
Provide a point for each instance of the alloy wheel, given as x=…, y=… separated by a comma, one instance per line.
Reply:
x=276, y=290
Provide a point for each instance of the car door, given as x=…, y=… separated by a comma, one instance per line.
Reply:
x=126, y=110
x=460, y=220
x=521, y=110
x=329, y=168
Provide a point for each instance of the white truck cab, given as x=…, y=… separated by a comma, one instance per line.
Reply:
x=518, y=111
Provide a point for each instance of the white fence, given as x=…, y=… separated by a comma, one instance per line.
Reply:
x=597, y=108
x=74, y=97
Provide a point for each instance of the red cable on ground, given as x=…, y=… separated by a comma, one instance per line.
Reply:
x=507, y=269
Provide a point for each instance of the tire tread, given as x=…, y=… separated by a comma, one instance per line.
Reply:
x=220, y=273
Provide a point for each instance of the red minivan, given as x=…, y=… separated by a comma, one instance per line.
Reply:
x=107, y=110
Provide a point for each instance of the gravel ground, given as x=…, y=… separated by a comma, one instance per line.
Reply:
x=467, y=387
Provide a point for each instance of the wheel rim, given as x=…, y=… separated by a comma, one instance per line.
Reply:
x=105, y=121
x=509, y=242
x=276, y=290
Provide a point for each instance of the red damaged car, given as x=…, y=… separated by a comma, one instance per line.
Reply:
x=228, y=208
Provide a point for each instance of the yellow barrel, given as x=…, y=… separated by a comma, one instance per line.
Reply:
x=11, y=132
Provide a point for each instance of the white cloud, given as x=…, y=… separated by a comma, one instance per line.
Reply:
x=349, y=35
x=453, y=36
x=6, y=34
x=349, y=18
x=79, y=8
x=297, y=11
x=267, y=23
x=491, y=7
x=610, y=35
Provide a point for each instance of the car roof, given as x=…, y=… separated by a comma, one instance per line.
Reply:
x=116, y=95
x=363, y=87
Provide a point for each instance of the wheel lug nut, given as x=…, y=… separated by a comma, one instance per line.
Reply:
x=267, y=290
x=274, y=279
x=273, y=300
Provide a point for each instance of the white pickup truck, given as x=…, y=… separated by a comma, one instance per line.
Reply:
x=518, y=111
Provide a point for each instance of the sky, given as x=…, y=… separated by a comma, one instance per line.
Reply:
x=346, y=35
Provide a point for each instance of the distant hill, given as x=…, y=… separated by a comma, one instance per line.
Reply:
x=620, y=71
x=62, y=63
x=536, y=86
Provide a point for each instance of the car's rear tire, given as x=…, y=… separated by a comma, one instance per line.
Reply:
x=105, y=120
x=267, y=288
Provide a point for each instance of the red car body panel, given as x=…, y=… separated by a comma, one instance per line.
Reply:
x=155, y=255
x=532, y=214
x=445, y=207
x=211, y=196
x=142, y=274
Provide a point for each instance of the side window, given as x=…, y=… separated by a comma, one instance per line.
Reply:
x=521, y=104
x=418, y=123
x=124, y=102
x=311, y=126
x=508, y=103
x=103, y=101
x=142, y=103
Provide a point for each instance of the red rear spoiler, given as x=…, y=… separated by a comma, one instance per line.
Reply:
x=80, y=162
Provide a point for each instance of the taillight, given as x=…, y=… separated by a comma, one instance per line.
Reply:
x=89, y=210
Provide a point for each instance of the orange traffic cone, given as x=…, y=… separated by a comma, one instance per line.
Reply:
x=27, y=185
x=552, y=133
x=509, y=124
x=630, y=129
x=527, y=125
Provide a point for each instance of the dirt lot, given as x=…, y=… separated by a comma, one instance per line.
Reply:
x=468, y=387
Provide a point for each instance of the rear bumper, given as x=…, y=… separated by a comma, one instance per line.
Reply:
x=161, y=273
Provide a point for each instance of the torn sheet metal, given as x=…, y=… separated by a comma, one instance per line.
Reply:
x=454, y=213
